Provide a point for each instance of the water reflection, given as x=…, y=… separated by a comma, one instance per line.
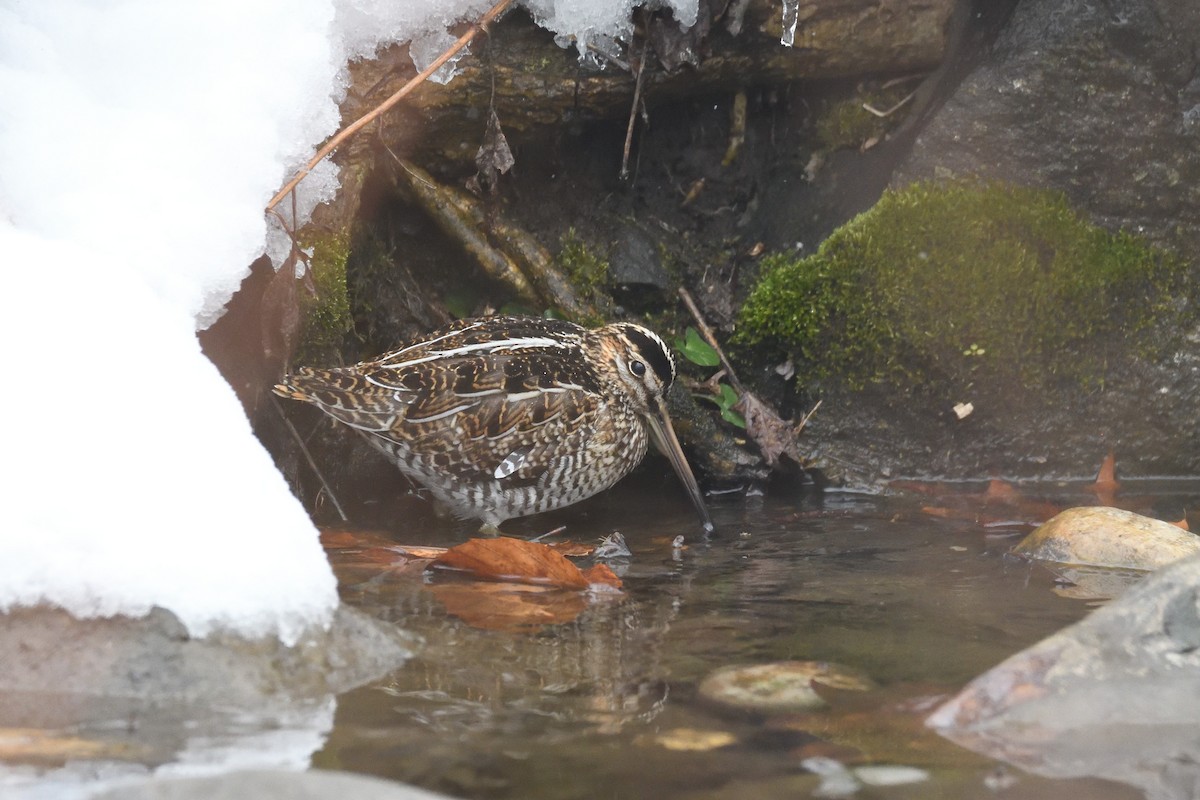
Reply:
x=600, y=705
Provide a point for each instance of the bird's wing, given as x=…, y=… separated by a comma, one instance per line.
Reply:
x=486, y=406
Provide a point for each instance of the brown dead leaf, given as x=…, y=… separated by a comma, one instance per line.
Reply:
x=773, y=435
x=354, y=550
x=1106, y=484
x=1107, y=476
x=419, y=551
x=601, y=575
x=493, y=159
x=1001, y=490
x=509, y=607
x=574, y=549
x=512, y=560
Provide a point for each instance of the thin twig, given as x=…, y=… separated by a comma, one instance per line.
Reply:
x=637, y=98
x=893, y=109
x=311, y=461
x=549, y=533
x=383, y=107
x=709, y=337
x=799, y=428
x=904, y=79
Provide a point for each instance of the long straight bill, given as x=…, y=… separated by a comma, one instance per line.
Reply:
x=665, y=440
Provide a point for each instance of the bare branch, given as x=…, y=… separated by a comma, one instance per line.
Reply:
x=386, y=105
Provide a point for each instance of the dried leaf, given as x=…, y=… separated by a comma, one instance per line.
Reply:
x=774, y=436
x=493, y=159
x=600, y=575
x=1107, y=476
x=574, y=549
x=512, y=560
x=350, y=549
x=509, y=607
x=613, y=546
x=419, y=551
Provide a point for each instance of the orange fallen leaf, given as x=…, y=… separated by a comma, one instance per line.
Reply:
x=509, y=607
x=420, y=551
x=1106, y=484
x=513, y=560
x=601, y=575
x=360, y=548
x=574, y=549
x=1001, y=490
x=1106, y=478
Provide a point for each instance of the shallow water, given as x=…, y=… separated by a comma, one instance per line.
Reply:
x=599, y=706
x=915, y=592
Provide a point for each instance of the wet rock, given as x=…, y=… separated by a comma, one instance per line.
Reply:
x=636, y=270
x=151, y=661
x=786, y=686
x=1108, y=537
x=1050, y=107
x=1113, y=696
x=271, y=785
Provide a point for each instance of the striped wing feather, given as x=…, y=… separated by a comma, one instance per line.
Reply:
x=468, y=397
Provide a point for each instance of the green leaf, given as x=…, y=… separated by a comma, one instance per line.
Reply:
x=698, y=351
x=733, y=418
x=729, y=397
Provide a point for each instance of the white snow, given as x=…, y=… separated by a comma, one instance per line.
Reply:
x=140, y=141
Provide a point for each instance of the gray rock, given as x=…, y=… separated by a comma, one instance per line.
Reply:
x=1115, y=696
x=1099, y=100
x=141, y=699
x=271, y=785
x=153, y=661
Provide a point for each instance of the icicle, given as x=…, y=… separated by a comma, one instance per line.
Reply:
x=791, y=16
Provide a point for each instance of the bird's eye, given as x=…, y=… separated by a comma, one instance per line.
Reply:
x=637, y=368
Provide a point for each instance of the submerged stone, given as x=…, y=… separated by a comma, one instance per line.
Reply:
x=785, y=686
x=1108, y=537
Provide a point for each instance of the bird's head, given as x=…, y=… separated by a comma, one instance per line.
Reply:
x=640, y=366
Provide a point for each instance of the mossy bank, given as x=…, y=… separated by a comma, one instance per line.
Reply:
x=973, y=292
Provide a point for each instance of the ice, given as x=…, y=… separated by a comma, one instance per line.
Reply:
x=428, y=48
x=592, y=22
x=140, y=141
x=791, y=18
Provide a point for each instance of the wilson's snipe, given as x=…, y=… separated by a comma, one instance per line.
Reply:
x=501, y=417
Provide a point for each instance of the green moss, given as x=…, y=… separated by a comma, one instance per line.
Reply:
x=327, y=314
x=587, y=272
x=581, y=264
x=962, y=280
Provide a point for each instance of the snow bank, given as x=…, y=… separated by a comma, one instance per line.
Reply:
x=139, y=143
